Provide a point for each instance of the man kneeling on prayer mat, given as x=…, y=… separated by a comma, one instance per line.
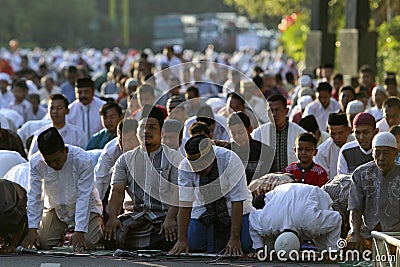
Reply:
x=214, y=200
x=294, y=213
x=13, y=223
x=149, y=174
x=62, y=195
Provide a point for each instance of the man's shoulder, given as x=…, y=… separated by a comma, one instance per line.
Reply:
x=326, y=144
x=350, y=145
x=295, y=127
x=369, y=167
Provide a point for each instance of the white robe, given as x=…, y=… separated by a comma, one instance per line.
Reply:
x=303, y=208
x=328, y=155
x=263, y=134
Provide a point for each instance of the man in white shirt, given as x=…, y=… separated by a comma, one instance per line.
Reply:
x=359, y=151
x=8, y=160
x=6, y=96
x=328, y=151
x=84, y=111
x=303, y=209
x=391, y=114
x=323, y=105
x=62, y=195
x=281, y=134
x=71, y=134
x=126, y=140
x=214, y=201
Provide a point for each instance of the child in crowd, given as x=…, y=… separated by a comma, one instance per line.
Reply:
x=20, y=104
x=305, y=170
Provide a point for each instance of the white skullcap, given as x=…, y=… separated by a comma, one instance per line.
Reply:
x=177, y=49
x=379, y=88
x=287, y=241
x=384, y=139
x=304, y=101
x=31, y=86
x=305, y=91
x=354, y=107
x=305, y=81
x=4, y=76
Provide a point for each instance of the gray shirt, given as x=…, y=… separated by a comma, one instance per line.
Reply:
x=376, y=196
x=149, y=179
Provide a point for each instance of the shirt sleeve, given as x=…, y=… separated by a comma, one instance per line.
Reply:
x=186, y=185
x=236, y=175
x=256, y=229
x=342, y=167
x=85, y=185
x=357, y=196
x=103, y=172
x=35, y=197
x=120, y=171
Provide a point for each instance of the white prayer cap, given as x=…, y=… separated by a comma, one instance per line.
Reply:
x=379, y=88
x=305, y=80
x=5, y=77
x=287, y=241
x=304, y=101
x=354, y=107
x=384, y=139
x=177, y=49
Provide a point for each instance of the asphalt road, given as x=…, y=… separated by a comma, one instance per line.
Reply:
x=109, y=261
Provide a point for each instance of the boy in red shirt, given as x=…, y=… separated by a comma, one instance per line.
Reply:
x=305, y=170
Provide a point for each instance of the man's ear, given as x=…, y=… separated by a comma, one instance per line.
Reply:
x=294, y=149
x=66, y=149
x=67, y=111
x=315, y=152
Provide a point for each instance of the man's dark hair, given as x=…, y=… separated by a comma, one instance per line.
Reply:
x=199, y=127
x=395, y=130
x=347, y=88
x=280, y=98
x=307, y=137
x=324, y=87
x=239, y=118
x=206, y=115
x=338, y=76
x=146, y=89
x=110, y=105
x=194, y=90
x=289, y=77
x=128, y=125
x=391, y=102
x=21, y=84
x=367, y=69
x=59, y=97
x=236, y=96
x=258, y=81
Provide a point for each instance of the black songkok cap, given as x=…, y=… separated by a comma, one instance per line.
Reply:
x=336, y=119
x=153, y=112
x=84, y=83
x=50, y=141
x=309, y=123
x=198, y=146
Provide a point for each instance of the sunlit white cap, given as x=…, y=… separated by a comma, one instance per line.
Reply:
x=5, y=77
x=287, y=241
x=384, y=139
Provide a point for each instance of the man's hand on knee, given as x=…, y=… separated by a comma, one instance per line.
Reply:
x=31, y=239
x=110, y=231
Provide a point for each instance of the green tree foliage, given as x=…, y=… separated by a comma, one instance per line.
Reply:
x=389, y=46
x=294, y=38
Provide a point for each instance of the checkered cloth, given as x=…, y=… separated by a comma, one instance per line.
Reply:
x=141, y=230
x=268, y=182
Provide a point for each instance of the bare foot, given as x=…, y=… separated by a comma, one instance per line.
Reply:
x=7, y=250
